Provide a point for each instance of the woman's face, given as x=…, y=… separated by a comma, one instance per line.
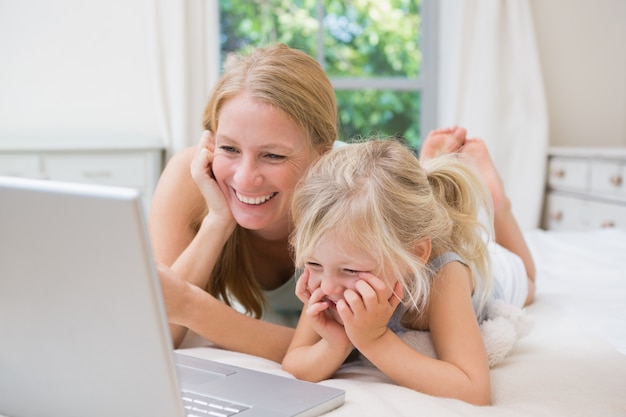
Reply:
x=260, y=154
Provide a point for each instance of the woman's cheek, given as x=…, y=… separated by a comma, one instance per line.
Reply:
x=220, y=170
x=218, y=167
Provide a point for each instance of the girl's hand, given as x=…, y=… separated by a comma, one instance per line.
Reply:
x=317, y=310
x=368, y=308
x=303, y=292
x=322, y=321
x=202, y=174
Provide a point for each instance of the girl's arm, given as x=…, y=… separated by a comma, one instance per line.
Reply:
x=311, y=357
x=320, y=344
x=461, y=370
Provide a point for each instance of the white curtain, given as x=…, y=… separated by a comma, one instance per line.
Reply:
x=492, y=85
x=184, y=48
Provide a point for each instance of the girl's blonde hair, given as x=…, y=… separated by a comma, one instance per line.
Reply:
x=289, y=80
x=377, y=196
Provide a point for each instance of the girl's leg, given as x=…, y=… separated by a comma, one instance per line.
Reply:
x=508, y=233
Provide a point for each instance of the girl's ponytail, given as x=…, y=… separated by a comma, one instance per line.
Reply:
x=460, y=191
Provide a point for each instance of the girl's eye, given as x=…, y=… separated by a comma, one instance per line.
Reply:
x=313, y=265
x=351, y=271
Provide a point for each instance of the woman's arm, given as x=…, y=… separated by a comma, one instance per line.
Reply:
x=461, y=370
x=187, y=240
x=175, y=214
x=189, y=219
x=187, y=255
x=191, y=307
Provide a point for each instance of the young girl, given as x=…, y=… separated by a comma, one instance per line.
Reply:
x=390, y=245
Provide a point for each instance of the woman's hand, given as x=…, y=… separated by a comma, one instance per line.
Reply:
x=202, y=174
x=176, y=294
x=366, y=310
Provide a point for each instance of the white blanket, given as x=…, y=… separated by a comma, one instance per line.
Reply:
x=568, y=365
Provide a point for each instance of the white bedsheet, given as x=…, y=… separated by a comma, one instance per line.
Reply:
x=573, y=362
x=584, y=274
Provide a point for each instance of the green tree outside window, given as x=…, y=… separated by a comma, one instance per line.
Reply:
x=369, y=48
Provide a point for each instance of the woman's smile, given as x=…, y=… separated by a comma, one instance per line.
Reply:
x=251, y=200
x=258, y=163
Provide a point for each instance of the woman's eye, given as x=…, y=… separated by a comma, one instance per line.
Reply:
x=275, y=156
x=228, y=149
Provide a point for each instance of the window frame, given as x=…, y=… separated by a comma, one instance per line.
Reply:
x=426, y=83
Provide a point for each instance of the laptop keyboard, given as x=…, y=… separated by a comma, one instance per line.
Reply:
x=197, y=405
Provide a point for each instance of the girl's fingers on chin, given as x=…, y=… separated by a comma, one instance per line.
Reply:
x=350, y=297
x=303, y=295
x=374, y=281
x=364, y=288
x=316, y=308
x=304, y=278
x=398, y=291
x=301, y=284
x=317, y=296
x=344, y=309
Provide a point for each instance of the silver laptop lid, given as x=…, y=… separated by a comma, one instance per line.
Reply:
x=67, y=251
x=82, y=324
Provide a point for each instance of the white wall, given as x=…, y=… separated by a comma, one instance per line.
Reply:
x=583, y=57
x=75, y=66
x=583, y=60
x=84, y=66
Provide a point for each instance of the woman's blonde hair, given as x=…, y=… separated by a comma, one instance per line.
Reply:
x=289, y=80
x=377, y=196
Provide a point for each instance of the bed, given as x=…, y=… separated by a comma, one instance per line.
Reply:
x=571, y=363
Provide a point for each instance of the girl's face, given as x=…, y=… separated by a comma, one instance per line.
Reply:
x=334, y=267
x=260, y=154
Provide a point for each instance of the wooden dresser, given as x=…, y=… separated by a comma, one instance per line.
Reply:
x=586, y=188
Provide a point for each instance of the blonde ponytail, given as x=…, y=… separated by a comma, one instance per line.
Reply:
x=461, y=192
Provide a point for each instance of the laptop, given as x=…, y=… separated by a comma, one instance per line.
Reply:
x=83, y=329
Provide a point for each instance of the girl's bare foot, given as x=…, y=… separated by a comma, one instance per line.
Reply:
x=478, y=154
x=443, y=141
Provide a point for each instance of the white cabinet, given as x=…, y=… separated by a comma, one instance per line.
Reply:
x=586, y=188
x=123, y=161
x=17, y=164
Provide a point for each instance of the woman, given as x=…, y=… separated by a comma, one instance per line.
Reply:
x=219, y=220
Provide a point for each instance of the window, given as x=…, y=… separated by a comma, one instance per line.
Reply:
x=379, y=55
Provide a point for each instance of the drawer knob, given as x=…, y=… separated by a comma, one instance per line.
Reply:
x=616, y=180
x=558, y=172
x=556, y=216
x=607, y=224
